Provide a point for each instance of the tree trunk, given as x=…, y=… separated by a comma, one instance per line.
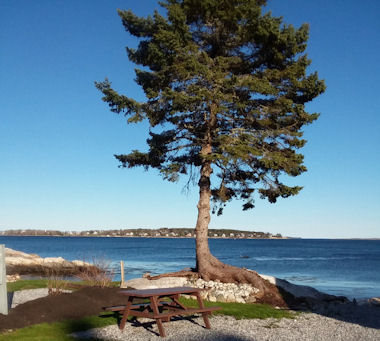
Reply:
x=208, y=266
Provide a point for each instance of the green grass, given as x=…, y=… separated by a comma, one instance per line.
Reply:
x=242, y=310
x=23, y=284
x=43, y=283
x=58, y=331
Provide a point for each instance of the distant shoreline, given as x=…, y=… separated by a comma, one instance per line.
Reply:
x=163, y=232
x=171, y=237
x=146, y=237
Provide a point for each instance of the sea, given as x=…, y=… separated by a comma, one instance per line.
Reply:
x=349, y=268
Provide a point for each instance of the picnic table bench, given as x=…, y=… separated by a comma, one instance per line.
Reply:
x=163, y=303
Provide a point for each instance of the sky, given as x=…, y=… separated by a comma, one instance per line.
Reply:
x=57, y=138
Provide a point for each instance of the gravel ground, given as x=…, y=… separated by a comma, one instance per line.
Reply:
x=22, y=296
x=306, y=326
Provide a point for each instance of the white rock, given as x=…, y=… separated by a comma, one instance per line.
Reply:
x=296, y=290
x=165, y=282
x=240, y=300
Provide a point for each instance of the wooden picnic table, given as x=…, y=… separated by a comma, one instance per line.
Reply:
x=163, y=303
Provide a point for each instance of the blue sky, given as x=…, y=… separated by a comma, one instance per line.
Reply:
x=57, y=138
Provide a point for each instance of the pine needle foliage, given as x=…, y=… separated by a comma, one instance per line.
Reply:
x=225, y=84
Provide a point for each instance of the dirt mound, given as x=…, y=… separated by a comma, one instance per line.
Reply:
x=84, y=302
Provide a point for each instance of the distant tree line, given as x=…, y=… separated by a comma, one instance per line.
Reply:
x=147, y=233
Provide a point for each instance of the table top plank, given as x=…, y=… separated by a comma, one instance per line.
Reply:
x=145, y=293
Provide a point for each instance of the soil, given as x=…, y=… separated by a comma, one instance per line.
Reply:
x=84, y=302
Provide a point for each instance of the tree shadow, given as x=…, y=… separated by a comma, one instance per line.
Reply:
x=151, y=327
x=84, y=325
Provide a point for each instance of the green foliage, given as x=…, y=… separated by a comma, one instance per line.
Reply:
x=226, y=86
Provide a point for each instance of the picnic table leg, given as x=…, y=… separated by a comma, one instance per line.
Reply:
x=126, y=313
x=154, y=306
x=175, y=299
x=204, y=315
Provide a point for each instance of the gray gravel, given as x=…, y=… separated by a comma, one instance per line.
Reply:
x=306, y=326
x=22, y=296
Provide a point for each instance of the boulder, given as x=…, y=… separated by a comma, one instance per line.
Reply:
x=18, y=262
x=145, y=283
x=294, y=289
x=375, y=301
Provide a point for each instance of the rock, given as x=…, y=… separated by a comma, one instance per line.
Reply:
x=13, y=278
x=219, y=298
x=295, y=290
x=18, y=262
x=242, y=293
x=79, y=263
x=212, y=299
x=375, y=301
x=240, y=300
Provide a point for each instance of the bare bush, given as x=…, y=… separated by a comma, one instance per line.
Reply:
x=55, y=283
x=98, y=274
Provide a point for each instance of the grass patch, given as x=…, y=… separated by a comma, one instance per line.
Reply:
x=58, y=331
x=24, y=284
x=242, y=310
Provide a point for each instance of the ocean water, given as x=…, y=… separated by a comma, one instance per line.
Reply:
x=340, y=267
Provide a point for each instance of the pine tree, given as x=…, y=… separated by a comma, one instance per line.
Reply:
x=226, y=87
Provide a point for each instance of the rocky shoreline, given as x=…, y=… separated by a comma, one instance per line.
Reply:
x=20, y=263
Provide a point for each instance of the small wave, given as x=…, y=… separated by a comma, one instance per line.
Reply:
x=297, y=258
x=303, y=279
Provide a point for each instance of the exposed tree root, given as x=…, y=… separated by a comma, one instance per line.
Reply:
x=182, y=273
x=214, y=269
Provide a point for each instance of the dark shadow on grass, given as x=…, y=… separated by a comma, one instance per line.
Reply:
x=151, y=325
x=86, y=323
